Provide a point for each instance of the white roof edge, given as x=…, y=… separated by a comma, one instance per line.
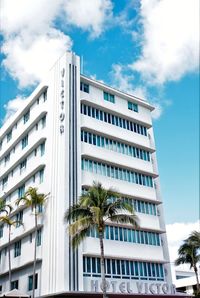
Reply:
x=15, y=117
x=121, y=93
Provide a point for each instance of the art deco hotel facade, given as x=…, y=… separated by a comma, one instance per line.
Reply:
x=72, y=131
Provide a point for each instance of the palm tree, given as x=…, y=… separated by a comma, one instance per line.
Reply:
x=95, y=208
x=194, y=238
x=5, y=208
x=34, y=200
x=7, y=220
x=189, y=254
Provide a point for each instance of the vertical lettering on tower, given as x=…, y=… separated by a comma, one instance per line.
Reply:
x=62, y=101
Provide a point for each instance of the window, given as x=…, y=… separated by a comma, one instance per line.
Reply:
x=42, y=149
x=0, y=288
x=21, y=191
x=1, y=231
x=24, y=141
x=43, y=121
x=132, y=106
x=30, y=282
x=84, y=87
x=22, y=165
x=41, y=175
x=45, y=95
x=123, y=269
x=117, y=173
x=113, y=120
x=40, y=208
x=9, y=136
x=19, y=218
x=17, y=249
x=4, y=182
x=114, y=145
x=7, y=158
x=109, y=97
x=14, y=284
x=39, y=237
x=26, y=116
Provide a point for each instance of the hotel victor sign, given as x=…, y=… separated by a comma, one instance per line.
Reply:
x=134, y=287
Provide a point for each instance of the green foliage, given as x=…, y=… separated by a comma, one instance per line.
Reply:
x=94, y=209
x=194, y=239
x=5, y=208
x=7, y=220
x=32, y=199
x=189, y=253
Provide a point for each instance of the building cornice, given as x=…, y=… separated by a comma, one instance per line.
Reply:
x=117, y=92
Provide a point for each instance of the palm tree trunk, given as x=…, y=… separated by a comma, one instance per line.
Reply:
x=102, y=265
x=9, y=258
x=197, y=278
x=35, y=250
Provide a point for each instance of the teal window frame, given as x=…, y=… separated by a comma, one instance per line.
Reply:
x=109, y=118
x=39, y=237
x=85, y=87
x=43, y=121
x=17, y=249
x=42, y=149
x=15, y=284
x=24, y=141
x=108, y=97
x=30, y=282
x=120, y=268
x=19, y=218
x=21, y=191
x=9, y=136
x=26, y=116
x=133, y=106
x=1, y=231
x=41, y=176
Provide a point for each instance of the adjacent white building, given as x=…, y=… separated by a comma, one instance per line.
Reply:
x=72, y=131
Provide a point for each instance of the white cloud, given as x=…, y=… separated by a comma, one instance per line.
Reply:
x=31, y=43
x=12, y=106
x=33, y=55
x=156, y=114
x=169, y=41
x=124, y=82
x=32, y=16
x=89, y=15
x=176, y=233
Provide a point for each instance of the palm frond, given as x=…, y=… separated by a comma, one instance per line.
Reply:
x=188, y=254
x=7, y=220
x=32, y=198
x=79, y=224
x=96, y=214
x=5, y=208
x=76, y=211
x=24, y=201
x=194, y=238
x=94, y=208
x=79, y=237
x=125, y=219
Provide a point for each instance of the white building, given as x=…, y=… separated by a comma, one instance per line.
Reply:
x=61, y=141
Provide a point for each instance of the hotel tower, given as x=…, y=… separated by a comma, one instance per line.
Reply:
x=71, y=131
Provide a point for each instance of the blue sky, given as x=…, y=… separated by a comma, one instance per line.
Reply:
x=148, y=48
